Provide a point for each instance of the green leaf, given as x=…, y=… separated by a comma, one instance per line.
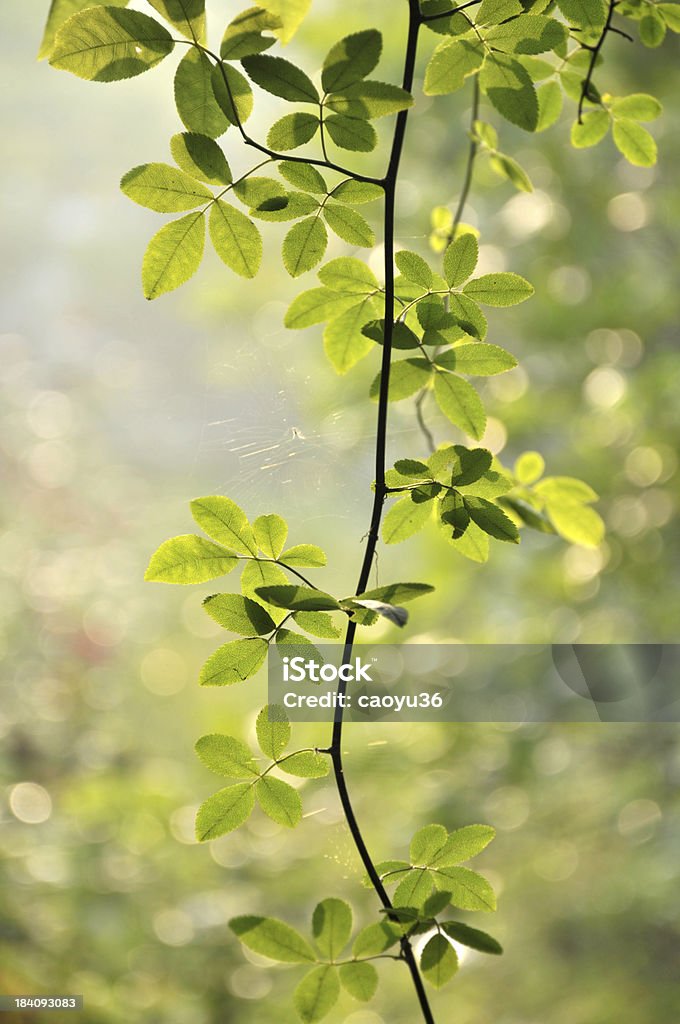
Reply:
x=106, y=44
x=426, y=843
x=173, y=255
x=332, y=926
x=318, y=624
x=279, y=801
x=460, y=259
x=652, y=28
x=469, y=890
x=639, y=106
x=236, y=239
x=398, y=593
x=576, y=523
x=232, y=92
x=239, y=614
x=369, y=100
x=281, y=78
x=273, y=730
x=272, y=938
x=463, y=844
x=476, y=358
x=414, y=268
x=412, y=468
x=452, y=62
x=291, y=638
x=432, y=314
x=304, y=245
x=438, y=961
x=406, y=377
x=349, y=275
x=225, y=811
x=397, y=616
x=491, y=484
x=60, y=11
x=406, y=518
x=460, y=403
x=471, y=937
x=509, y=87
x=303, y=176
x=452, y=512
x=493, y=12
x=529, y=468
x=473, y=545
x=505, y=167
x=186, y=15
x=671, y=15
x=225, y=755
x=635, y=142
x=469, y=464
x=499, y=289
x=262, y=574
x=529, y=34
x=164, y=188
x=270, y=533
x=491, y=519
x=402, y=336
x=298, y=598
x=200, y=157
x=225, y=522
x=375, y=939
x=351, y=133
x=414, y=890
x=566, y=489
x=317, y=994
x=189, y=559
x=468, y=314
x=292, y=130
x=357, y=192
x=305, y=556
x=316, y=305
x=255, y=190
x=306, y=764
x=360, y=980
x=349, y=225
x=586, y=14
x=550, y=102
x=351, y=59
x=194, y=96
x=245, y=34
x=344, y=342
x=592, y=129
x=291, y=14
x=233, y=662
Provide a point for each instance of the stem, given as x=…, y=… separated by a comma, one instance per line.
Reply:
x=470, y=166
x=390, y=183
x=594, y=54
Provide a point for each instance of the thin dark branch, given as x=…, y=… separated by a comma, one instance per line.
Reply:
x=425, y=18
x=594, y=54
x=379, y=498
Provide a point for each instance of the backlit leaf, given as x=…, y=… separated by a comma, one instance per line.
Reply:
x=351, y=59
x=189, y=559
x=272, y=938
x=279, y=801
x=317, y=994
x=106, y=44
x=224, y=811
x=164, y=188
x=332, y=926
x=225, y=755
x=173, y=255
x=236, y=239
x=225, y=522
x=273, y=730
x=233, y=662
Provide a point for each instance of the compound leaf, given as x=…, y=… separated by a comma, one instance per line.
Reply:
x=279, y=801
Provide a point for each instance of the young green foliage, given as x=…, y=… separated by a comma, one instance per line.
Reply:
x=422, y=327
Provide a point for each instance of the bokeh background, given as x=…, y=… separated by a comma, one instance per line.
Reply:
x=117, y=411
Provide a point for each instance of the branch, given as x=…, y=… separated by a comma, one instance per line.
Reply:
x=594, y=54
x=390, y=182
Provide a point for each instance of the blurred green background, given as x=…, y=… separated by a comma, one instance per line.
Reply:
x=117, y=411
